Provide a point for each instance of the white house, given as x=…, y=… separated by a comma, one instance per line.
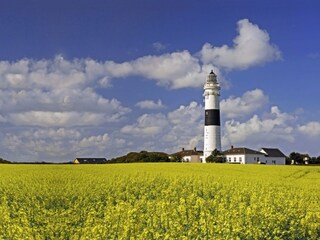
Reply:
x=243, y=156
x=190, y=155
x=249, y=156
x=273, y=156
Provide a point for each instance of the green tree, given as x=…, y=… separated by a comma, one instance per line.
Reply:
x=4, y=161
x=142, y=156
x=216, y=157
x=296, y=157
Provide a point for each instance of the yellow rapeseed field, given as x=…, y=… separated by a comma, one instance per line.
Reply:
x=159, y=201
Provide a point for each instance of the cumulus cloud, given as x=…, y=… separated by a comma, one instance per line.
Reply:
x=58, y=100
x=149, y=104
x=58, y=119
x=186, y=114
x=99, y=140
x=249, y=102
x=251, y=47
x=50, y=109
x=55, y=92
x=187, y=126
x=182, y=127
x=175, y=70
x=46, y=74
x=272, y=128
x=55, y=134
x=39, y=144
x=183, y=69
x=311, y=129
x=57, y=144
x=59, y=108
x=146, y=125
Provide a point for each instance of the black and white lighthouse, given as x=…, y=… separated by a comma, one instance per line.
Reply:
x=212, y=135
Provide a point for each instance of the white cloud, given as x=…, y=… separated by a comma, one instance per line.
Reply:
x=149, y=104
x=182, y=127
x=311, y=129
x=35, y=145
x=57, y=119
x=146, y=125
x=175, y=70
x=58, y=100
x=158, y=46
x=60, y=144
x=187, y=127
x=273, y=128
x=182, y=69
x=54, y=109
x=248, y=103
x=251, y=47
x=28, y=74
x=54, y=134
x=55, y=93
x=186, y=114
x=59, y=107
x=99, y=140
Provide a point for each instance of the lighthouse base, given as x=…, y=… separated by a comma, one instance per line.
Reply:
x=212, y=140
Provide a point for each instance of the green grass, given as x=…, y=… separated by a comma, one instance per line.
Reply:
x=159, y=201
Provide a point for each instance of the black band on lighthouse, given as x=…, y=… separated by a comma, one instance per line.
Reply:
x=212, y=117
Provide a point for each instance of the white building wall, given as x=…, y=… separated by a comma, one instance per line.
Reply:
x=186, y=159
x=254, y=158
x=239, y=158
x=275, y=160
x=245, y=158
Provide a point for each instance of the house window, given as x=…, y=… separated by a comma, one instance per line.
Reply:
x=258, y=159
x=229, y=159
x=240, y=159
x=235, y=159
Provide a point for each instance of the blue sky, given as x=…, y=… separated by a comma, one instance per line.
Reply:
x=102, y=78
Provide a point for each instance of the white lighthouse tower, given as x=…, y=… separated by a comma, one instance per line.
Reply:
x=212, y=135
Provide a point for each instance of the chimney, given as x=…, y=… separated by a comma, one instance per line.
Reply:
x=231, y=146
x=195, y=149
x=182, y=149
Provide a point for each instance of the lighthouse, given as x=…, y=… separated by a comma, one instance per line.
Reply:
x=212, y=135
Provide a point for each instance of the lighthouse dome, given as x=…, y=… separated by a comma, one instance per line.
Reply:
x=212, y=77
